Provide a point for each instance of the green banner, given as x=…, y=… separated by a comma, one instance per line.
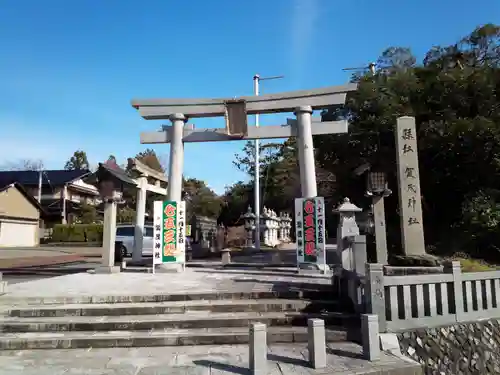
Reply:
x=169, y=228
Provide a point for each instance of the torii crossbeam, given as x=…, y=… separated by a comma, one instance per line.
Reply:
x=235, y=111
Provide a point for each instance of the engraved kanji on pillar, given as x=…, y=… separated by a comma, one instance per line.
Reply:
x=410, y=205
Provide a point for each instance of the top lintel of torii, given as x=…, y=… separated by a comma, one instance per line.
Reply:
x=158, y=109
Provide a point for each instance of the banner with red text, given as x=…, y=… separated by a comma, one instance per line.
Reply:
x=310, y=230
x=169, y=240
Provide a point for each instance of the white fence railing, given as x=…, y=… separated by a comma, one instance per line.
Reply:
x=418, y=301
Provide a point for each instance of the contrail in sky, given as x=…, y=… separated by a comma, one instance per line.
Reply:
x=304, y=16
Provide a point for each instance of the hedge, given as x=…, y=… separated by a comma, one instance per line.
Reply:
x=77, y=233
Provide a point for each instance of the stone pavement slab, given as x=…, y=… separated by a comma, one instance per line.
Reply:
x=127, y=284
x=343, y=358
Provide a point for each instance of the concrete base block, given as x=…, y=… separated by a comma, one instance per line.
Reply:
x=169, y=268
x=107, y=269
x=389, y=343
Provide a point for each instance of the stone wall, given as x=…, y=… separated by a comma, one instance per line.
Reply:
x=468, y=348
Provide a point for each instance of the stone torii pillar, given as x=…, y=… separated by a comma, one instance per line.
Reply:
x=305, y=146
x=174, y=188
x=142, y=188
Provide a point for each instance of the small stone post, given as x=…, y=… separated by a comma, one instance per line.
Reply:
x=455, y=269
x=375, y=293
x=370, y=337
x=316, y=337
x=226, y=256
x=3, y=285
x=258, y=349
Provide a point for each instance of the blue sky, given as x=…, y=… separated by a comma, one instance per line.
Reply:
x=68, y=69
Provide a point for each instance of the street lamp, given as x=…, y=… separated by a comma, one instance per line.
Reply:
x=256, y=80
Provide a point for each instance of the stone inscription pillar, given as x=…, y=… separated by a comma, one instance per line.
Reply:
x=410, y=205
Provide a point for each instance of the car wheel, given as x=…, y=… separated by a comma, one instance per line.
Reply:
x=123, y=251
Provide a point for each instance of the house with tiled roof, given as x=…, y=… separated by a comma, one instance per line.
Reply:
x=61, y=193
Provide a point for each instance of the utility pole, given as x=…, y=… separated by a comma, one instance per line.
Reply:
x=372, y=68
x=40, y=174
x=256, y=80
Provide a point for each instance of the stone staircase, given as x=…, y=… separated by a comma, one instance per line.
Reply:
x=212, y=318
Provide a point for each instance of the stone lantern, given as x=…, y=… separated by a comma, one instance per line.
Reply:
x=265, y=226
x=110, y=179
x=281, y=227
x=346, y=231
x=287, y=226
x=271, y=227
x=249, y=218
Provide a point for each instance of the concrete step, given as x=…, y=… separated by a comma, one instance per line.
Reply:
x=314, y=292
x=192, y=320
x=176, y=307
x=170, y=337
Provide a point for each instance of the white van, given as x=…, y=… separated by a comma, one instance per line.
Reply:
x=125, y=235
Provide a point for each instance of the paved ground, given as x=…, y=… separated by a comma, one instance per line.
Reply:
x=343, y=358
x=45, y=250
x=192, y=280
x=23, y=257
x=16, y=279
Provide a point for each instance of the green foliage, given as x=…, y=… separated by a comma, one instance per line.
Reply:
x=455, y=98
x=125, y=215
x=236, y=200
x=200, y=199
x=88, y=214
x=77, y=233
x=150, y=158
x=77, y=161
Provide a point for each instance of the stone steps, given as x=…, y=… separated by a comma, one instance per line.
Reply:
x=319, y=292
x=192, y=320
x=195, y=317
x=167, y=337
x=175, y=307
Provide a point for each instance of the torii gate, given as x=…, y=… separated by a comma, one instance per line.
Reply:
x=235, y=111
x=142, y=188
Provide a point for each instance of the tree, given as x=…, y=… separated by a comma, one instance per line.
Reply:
x=454, y=96
x=150, y=158
x=245, y=161
x=24, y=165
x=88, y=214
x=78, y=161
x=235, y=201
x=200, y=199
